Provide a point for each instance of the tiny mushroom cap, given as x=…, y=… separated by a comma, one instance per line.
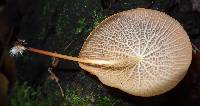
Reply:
x=158, y=43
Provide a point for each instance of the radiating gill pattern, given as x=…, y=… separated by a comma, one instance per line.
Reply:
x=159, y=40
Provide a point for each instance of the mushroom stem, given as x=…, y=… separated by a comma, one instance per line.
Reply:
x=67, y=57
x=114, y=63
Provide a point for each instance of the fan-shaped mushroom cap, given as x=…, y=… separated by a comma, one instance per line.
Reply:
x=159, y=41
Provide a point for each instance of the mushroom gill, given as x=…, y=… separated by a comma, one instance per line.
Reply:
x=158, y=43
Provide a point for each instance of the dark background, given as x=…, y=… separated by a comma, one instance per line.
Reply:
x=54, y=24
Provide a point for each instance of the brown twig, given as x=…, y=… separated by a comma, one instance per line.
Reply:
x=53, y=76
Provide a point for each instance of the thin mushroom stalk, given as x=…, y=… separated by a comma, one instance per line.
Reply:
x=18, y=49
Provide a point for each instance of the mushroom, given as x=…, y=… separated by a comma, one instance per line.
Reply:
x=142, y=52
x=159, y=42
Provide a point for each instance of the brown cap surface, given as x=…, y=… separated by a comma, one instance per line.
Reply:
x=159, y=40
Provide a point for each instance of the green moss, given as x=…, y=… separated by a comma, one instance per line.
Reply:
x=85, y=25
x=24, y=95
x=105, y=101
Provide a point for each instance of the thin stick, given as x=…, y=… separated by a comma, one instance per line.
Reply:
x=90, y=61
x=124, y=62
x=57, y=81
